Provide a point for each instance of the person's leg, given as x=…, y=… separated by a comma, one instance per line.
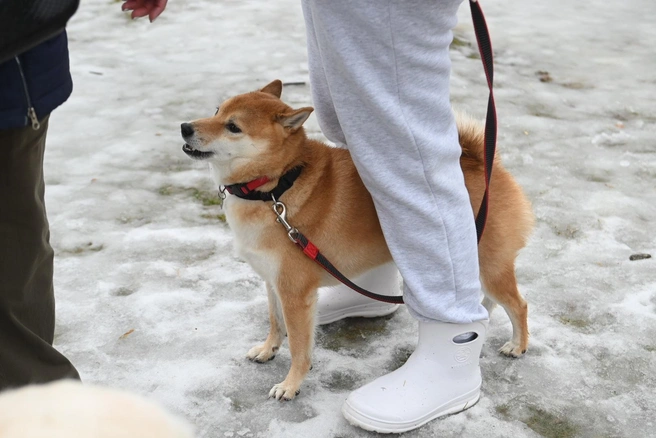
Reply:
x=387, y=69
x=27, y=306
x=339, y=302
x=321, y=97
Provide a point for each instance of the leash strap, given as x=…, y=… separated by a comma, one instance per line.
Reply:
x=313, y=252
x=485, y=50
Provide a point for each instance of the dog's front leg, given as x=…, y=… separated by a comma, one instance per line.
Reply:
x=267, y=351
x=298, y=310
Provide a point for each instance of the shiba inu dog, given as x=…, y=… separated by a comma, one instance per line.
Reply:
x=256, y=147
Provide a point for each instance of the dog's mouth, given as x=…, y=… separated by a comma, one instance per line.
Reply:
x=195, y=153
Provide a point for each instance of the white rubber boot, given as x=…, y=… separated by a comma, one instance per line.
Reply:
x=441, y=377
x=339, y=302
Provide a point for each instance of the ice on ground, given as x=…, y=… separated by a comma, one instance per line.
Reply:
x=151, y=298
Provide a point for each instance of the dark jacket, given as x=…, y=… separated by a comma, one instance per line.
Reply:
x=39, y=78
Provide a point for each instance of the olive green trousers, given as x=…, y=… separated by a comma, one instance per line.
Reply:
x=27, y=302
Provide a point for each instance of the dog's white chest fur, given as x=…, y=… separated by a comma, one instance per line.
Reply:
x=247, y=242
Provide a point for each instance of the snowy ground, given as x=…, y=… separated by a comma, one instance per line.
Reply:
x=150, y=297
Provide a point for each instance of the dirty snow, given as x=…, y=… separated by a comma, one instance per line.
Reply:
x=152, y=299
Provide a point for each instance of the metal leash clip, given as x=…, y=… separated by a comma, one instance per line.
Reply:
x=281, y=211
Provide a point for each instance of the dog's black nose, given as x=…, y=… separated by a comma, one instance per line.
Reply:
x=187, y=129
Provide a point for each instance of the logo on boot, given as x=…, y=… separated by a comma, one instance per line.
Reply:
x=462, y=355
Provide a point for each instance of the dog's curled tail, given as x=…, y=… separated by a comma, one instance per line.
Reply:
x=471, y=134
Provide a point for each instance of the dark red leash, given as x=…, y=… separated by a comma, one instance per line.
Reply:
x=485, y=49
x=313, y=252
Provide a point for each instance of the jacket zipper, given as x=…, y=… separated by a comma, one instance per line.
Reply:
x=31, y=113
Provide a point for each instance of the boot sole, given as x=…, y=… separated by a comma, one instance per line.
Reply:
x=362, y=311
x=460, y=404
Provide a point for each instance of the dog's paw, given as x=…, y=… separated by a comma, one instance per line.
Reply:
x=284, y=391
x=511, y=349
x=262, y=353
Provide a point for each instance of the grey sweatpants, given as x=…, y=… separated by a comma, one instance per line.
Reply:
x=379, y=71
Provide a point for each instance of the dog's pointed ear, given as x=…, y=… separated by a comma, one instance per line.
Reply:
x=294, y=119
x=274, y=88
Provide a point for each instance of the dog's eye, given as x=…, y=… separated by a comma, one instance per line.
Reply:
x=233, y=128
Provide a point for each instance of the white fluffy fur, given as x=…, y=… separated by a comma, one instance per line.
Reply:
x=68, y=409
x=247, y=236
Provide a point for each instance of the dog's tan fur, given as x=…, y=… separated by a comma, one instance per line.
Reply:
x=330, y=205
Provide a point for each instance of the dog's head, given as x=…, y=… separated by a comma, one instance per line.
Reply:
x=253, y=133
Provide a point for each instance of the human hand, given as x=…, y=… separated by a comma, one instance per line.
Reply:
x=141, y=8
